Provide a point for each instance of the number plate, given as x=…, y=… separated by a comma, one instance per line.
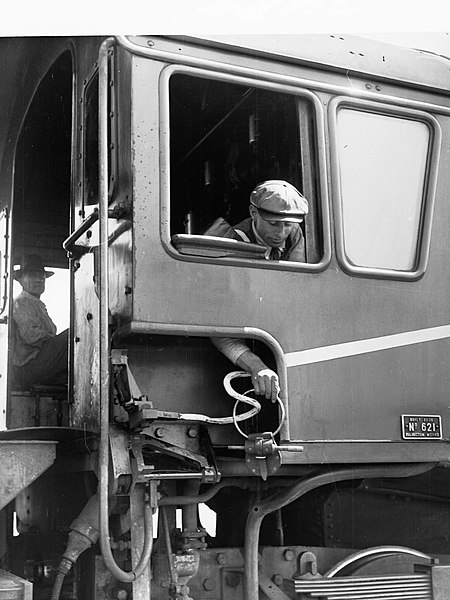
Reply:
x=421, y=427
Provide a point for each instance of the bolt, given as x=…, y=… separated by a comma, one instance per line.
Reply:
x=289, y=555
x=118, y=594
x=128, y=290
x=150, y=43
x=378, y=88
x=160, y=432
x=88, y=233
x=278, y=579
x=89, y=316
x=369, y=86
x=209, y=584
x=192, y=432
x=221, y=559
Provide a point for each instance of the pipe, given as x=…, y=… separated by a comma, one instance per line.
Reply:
x=298, y=489
x=202, y=498
x=105, y=543
x=190, y=514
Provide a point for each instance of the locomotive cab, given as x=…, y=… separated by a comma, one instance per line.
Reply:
x=131, y=158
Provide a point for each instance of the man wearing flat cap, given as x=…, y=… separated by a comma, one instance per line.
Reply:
x=276, y=209
x=40, y=356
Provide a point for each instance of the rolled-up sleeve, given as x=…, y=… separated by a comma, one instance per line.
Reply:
x=232, y=348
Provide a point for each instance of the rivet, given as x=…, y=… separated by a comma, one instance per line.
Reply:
x=288, y=555
x=277, y=579
x=209, y=584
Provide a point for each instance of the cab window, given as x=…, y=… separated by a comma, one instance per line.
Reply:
x=385, y=189
x=225, y=137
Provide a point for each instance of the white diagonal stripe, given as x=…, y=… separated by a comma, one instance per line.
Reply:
x=407, y=338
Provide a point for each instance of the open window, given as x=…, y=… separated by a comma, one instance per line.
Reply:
x=226, y=136
x=385, y=174
x=42, y=185
x=40, y=218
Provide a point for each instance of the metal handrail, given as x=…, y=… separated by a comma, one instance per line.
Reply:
x=69, y=243
x=103, y=212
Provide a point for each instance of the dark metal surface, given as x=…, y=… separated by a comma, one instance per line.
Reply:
x=21, y=463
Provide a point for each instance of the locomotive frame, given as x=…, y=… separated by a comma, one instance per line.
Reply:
x=149, y=138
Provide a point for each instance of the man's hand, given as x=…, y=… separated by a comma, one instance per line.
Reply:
x=266, y=384
x=264, y=380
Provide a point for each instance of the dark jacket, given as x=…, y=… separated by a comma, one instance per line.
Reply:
x=294, y=249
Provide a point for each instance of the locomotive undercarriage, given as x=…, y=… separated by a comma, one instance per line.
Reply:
x=164, y=466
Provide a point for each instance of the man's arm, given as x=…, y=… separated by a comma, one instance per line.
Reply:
x=30, y=326
x=264, y=380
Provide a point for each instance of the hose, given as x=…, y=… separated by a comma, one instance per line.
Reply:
x=231, y=392
x=235, y=418
x=63, y=568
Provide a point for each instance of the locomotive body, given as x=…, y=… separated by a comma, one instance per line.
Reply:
x=118, y=155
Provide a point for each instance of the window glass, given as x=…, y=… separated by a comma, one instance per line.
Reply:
x=383, y=163
x=224, y=139
x=91, y=141
x=91, y=136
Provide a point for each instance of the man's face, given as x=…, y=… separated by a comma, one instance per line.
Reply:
x=274, y=233
x=33, y=282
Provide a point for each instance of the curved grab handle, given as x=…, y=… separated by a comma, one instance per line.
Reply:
x=118, y=212
x=69, y=243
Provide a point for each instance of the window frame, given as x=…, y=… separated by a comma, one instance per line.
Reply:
x=319, y=157
x=428, y=196
x=93, y=80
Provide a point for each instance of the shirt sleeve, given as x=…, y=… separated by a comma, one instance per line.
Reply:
x=31, y=327
x=232, y=348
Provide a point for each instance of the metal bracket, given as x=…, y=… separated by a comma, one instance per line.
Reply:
x=261, y=454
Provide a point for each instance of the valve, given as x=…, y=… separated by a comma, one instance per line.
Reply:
x=263, y=455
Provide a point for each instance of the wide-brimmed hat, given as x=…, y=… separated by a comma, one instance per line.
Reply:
x=32, y=262
x=278, y=200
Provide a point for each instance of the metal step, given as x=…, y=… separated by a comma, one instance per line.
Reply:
x=21, y=462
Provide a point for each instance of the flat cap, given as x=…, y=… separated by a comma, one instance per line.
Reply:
x=278, y=200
